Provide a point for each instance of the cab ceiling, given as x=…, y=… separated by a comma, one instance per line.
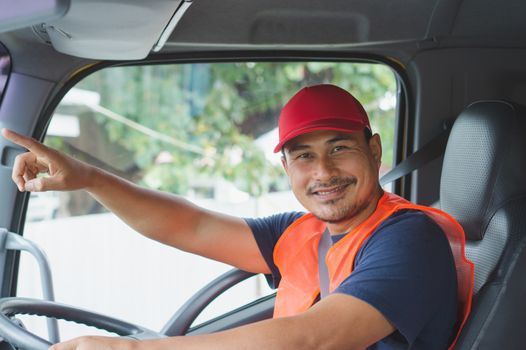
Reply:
x=397, y=28
x=337, y=23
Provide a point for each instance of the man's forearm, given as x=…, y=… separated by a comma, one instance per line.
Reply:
x=337, y=322
x=175, y=221
x=149, y=212
x=275, y=334
x=271, y=334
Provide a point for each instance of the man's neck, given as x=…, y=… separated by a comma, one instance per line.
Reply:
x=350, y=224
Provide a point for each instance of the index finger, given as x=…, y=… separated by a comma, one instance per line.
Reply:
x=24, y=141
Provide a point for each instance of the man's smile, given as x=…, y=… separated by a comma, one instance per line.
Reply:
x=332, y=190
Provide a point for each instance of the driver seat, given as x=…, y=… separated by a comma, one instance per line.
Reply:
x=483, y=185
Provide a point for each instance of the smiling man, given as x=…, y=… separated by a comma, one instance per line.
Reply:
x=330, y=155
x=362, y=269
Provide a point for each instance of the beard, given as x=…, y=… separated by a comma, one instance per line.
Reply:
x=339, y=213
x=340, y=209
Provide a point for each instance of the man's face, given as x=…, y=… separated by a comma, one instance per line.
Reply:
x=334, y=174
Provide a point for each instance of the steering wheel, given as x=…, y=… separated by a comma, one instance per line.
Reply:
x=22, y=338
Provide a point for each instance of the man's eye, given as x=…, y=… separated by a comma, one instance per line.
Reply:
x=304, y=156
x=339, y=148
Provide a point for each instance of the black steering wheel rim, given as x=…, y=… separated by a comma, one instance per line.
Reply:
x=22, y=338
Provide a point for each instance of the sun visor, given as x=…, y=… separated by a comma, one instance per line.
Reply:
x=112, y=29
x=23, y=13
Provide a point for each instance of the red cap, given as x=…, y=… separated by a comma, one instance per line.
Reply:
x=320, y=107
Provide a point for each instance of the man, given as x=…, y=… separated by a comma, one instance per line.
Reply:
x=386, y=276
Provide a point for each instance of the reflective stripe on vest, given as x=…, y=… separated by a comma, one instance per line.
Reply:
x=296, y=256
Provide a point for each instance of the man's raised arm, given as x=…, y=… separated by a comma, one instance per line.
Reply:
x=161, y=216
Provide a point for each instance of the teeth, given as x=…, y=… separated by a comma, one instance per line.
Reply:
x=327, y=192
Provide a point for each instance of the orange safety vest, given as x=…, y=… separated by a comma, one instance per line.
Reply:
x=296, y=256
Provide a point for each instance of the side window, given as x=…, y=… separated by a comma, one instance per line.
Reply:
x=202, y=131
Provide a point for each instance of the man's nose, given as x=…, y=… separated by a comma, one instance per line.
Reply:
x=325, y=169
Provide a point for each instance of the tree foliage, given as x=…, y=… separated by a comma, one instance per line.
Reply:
x=210, y=114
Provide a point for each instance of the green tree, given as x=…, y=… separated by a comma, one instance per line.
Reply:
x=203, y=118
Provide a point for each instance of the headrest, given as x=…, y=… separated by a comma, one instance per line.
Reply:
x=484, y=164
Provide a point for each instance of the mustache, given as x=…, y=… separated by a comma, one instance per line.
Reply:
x=334, y=182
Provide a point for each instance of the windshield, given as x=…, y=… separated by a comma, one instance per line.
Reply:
x=203, y=131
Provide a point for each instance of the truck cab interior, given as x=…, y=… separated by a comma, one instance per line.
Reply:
x=155, y=90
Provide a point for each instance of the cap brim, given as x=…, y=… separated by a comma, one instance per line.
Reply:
x=348, y=127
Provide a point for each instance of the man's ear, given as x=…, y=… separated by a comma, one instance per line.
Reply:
x=284, y=163
x=375, y=144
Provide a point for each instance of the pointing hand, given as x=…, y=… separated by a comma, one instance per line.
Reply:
x=63, y=172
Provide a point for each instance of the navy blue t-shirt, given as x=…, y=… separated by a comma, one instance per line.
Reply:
x=405, y=269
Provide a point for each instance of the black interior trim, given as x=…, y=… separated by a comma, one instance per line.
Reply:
x=258, y=310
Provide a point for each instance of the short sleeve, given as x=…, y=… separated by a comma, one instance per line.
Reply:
x=406, y=271
x=267, y=232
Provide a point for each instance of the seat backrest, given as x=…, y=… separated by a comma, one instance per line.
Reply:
x=483, y=185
